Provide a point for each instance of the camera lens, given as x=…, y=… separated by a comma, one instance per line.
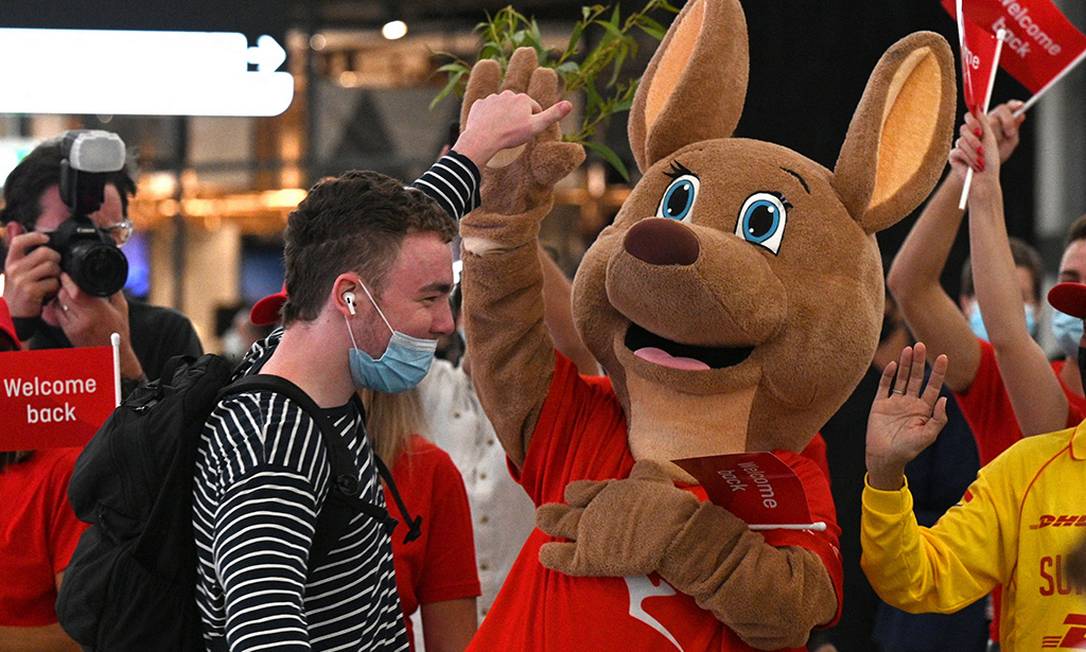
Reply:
x=97, y=268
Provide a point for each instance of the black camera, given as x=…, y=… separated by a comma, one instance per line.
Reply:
x=90, y=257
x=88, y=254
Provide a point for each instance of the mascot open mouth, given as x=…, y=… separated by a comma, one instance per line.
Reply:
x=686, y=357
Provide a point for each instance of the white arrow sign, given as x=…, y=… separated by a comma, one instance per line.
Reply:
x=121, y=72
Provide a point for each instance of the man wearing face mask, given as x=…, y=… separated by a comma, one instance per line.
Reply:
x=368, y=274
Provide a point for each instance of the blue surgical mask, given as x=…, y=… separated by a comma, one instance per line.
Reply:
x=402, y=366
x=976, y=322
x=1068, y=332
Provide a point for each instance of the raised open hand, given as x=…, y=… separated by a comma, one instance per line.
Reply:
x=521, y=179
x=904, y=419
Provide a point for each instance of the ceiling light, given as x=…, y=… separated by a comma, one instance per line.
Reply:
x=394, y=29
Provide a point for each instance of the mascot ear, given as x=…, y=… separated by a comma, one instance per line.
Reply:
x=899, y=137
x=694, y=86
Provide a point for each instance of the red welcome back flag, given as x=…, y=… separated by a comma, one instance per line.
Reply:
x=757, y=487
x=55, y=398
x=979, y=48
x=1041, y=43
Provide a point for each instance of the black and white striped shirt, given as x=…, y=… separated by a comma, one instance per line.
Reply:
x=262, y=475
x=454, y=182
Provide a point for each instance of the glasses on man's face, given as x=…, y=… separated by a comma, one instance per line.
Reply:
x=120, y=232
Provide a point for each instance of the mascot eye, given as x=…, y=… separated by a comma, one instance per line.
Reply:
x=762, y=219
x=679, y=198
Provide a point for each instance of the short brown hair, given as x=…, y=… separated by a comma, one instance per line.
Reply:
x=1077, y=231
x=1024, y=255
x=353, y=222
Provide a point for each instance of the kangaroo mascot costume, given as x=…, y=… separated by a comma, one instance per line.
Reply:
x=734, y=303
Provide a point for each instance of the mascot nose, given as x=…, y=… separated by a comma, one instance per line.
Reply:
x=660, y=241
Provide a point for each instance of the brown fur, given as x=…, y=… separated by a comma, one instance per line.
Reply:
x=810, y=311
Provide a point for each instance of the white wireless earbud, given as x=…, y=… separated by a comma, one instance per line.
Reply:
x=348, y=297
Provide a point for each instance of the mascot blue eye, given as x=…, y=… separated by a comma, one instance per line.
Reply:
x=762, y=220
x=679, y=198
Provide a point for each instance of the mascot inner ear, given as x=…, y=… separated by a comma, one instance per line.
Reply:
x=694, y=85
x=898, y=139
x=673, y=62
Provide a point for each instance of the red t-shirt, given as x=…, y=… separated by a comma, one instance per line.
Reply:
x=38, y=534
x=987, y=408
x=581, y=434
x=440, y=564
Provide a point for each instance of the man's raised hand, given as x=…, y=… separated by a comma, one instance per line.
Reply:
x=516, y=117
x=905, y=418
x=505, y=120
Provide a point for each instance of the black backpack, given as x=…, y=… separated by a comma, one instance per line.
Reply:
x=131, y=584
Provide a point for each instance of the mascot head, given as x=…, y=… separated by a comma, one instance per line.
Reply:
x=737, y=298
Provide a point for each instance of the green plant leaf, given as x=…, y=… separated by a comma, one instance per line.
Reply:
x=609, y=155
x=625, y=102
x=651, y=27
x=450, y=86
x=568, y=68
x=456, y=66
x=594, y=101
x=619, y=60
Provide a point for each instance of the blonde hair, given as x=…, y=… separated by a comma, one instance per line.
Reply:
x=391, y=419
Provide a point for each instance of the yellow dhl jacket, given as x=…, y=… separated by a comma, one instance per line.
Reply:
x=1014, y=526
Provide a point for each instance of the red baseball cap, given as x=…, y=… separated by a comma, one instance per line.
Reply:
x=7, y=326
x=1069, y=298
x=266, y=311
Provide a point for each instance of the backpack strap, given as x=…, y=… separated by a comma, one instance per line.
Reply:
x=414, y=523
x=342, y=502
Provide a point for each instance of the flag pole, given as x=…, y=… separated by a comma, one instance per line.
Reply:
x=1000, y=35
x=115, y=342
x=818, y=526
x=1052, y=82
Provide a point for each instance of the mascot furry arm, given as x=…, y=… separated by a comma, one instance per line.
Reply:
x=817, y=297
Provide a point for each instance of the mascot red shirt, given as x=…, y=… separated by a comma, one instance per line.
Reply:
x=581, y=434
x=735, y=302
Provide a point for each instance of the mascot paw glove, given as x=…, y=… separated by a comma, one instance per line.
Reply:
x=615, y=527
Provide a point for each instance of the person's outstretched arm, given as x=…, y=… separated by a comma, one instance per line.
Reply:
x=937, y=569
x=1034, y=391
x=913, y=279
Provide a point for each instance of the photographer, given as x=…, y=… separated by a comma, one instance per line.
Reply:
x=49, y=307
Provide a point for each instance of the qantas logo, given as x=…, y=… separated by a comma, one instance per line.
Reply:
x=642, y=588
x=1074, y=638
x=1061, y=520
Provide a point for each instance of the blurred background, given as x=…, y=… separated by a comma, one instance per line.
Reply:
x=214, y=193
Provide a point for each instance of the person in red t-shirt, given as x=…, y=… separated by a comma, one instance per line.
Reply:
x=435, y=572
x=38, y=534
x=1005, y=385
x=1008, y=387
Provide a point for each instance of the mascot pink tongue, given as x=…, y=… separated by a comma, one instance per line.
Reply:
x=665, y=359
x=737, y=317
